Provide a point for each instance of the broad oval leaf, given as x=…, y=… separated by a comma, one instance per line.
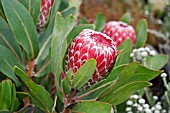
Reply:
x=22, y=26
x=142, y=73
x=83, y=74
x=8, y=96
x=123, y=93
x=7, y=62
x=63, y=5
x=124, y=57
x=141, y=33
x=125, y=76
x=15, y=105
x=33, y=7
x=68, y=11
x=95, y=90
x=156, y=62
x=91, y=107
x=114, y=73
x=99, y=22
x=126, y=18
x=6, y=92
x=58, y=47
x=45, y=44
x=66, y=82
x=145, y=74
x=83, y=20
x=53, y=11
x=39, y=95
x=8, y=40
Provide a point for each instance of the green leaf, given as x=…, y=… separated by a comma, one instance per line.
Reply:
x=99, y=22
x=124, y=77
x=126, y=18
x=14, y=100
x=45, y=44
x=122, y=93
x=22, y=26
x=15, y=105
x=1, y=10
x=156, y=62
x=77, y=29
x=83, y=21
x=63, y=5
x=145, y=74
x=59, y=45
x=7, y=62
x=124, y=58
x=91, y=107
x=8, y=94
x=8, y=40
x=22, y=95
x=94, y=90
x=114, y=73
x=5, y=111
x=141, y=33
x=53, y=11
x=84, y=73
x=40, y=97
x=33, y=7
x=66, y=82
x=141, y=74
x=68, y=11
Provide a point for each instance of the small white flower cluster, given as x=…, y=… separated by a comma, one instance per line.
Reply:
x=137, y=104
x=141, y=53
x=164, y=75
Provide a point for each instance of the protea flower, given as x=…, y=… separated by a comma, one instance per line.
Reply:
x=119, y=32
x=91, y=44
x=44, y=11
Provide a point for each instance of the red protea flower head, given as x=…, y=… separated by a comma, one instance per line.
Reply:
x=119, y=32
x=44, y=11
x=91, y=44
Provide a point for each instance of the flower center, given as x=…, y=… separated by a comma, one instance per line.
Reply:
x=123, y=25
x=101, y=40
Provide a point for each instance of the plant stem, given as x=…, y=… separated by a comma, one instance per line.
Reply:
x=70, y=100
x=30, y=68
x=26, y=101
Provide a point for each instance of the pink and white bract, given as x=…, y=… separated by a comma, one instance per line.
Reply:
x=44, y=11
x=91, y=44
x=119, y=32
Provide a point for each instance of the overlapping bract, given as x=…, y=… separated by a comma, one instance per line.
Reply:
x=44, y=11
x=91, y=44
x=119, y=32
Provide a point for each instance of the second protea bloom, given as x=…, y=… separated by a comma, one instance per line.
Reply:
x=119, y=32
x=44, y=11
x=91, y=44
